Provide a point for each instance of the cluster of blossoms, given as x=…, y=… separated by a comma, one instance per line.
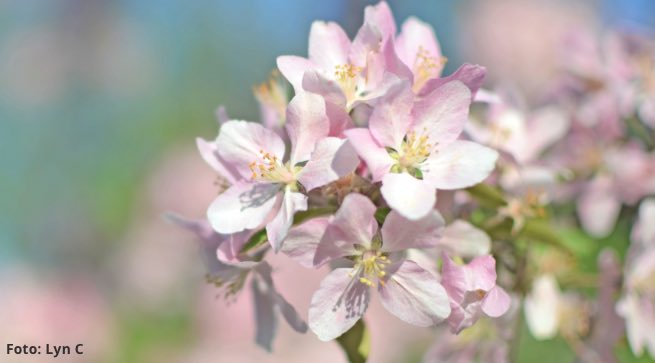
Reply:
x=370, y=161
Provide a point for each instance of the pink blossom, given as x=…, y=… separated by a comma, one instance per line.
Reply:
x=407, y=290
x=266, y=191
x=411, y=146
x=473, y=291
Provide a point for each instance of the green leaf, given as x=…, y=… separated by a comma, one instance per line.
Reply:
x=356, y=343
x=381, y=214
x=487, y=195
x=541, y=231
x=259, y=238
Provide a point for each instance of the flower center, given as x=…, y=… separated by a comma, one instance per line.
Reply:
x=414, y=151
x=270, y=169
x=370, y=266
x=426, y=67
x=346, y=76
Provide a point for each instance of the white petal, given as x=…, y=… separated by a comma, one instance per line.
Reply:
x=411, y=197
x=243, y=206
x=415, y=296
x=332, y=159
x=337, y=305
x=459, y=164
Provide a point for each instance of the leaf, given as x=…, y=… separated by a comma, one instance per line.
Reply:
x=487, y=195
x=381, y=214
x=356, y=343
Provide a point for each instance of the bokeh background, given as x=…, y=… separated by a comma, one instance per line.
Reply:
x=100, y=102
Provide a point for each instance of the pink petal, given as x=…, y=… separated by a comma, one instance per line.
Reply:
x=221, y=115
x=307, y=123
x=265, y=319
x=339, y=119
x=479, y=274
x=302, y=241
x=375, y=156
x=293, y=68
x=411, y=197
x=328, y=45
x=496, y=303
x=353, y=224
x=598, y=207
x=277, y=229
x=210, y=156
x=400, y=233
x=469, y=74
x=415, y=296
x=337, y=304
x=316, y=82
x=391, y=119
x=443, y=112
x=459, y=164
x=243, y=206
x=414, y=35
x=380, y=16
x=333, y=158
x=546, y=126
x=367, y=40
x=239, y=143
x=463, y=239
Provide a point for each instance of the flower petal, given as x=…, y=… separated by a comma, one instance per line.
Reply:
x=239, y=143
x=380, y=16
x=316, y=82
x=265, y=318
x=332, y=159
x=391, y=119
x=293, y=68
x=496, y=302
x=302, y=241
x=328, y=45
x=277, y=229
x=337, y=304
x=443, y=112
x=210, y=156
x=463, y=239
x=411, y=197
x=542, y=307
x=375, y=156
x=400, y=233
x=243, y=206
x=479, y=274
x=598, y=207
x=353, y=224
x=472, y=75
x=415, y=296
x=307, y=123
x=414, y=36
x=459, y=164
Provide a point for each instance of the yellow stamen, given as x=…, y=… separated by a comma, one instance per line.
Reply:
x=346, y=76
x=268, y=168
x=426, y=67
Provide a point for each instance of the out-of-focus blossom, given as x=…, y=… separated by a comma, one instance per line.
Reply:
x=407, y=290
x=412, y=147
x=486, y=341
x=518, y=52
x=273, y=98
x=231, y=272
x=473, y=291
x=637, y=305
x=548, y=311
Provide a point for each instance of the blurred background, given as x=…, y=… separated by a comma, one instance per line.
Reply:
x=100, y=102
